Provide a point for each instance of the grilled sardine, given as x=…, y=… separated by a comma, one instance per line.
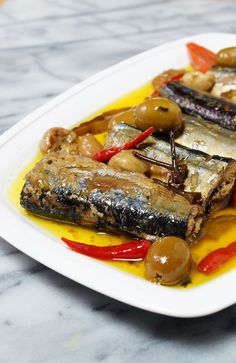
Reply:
x=205, y=136
x=78, y=190
x=213, y=176
x=197, y=103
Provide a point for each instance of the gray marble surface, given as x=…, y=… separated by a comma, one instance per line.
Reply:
x=47, y=46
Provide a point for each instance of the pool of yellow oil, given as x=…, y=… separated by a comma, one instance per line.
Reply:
x=219, y=231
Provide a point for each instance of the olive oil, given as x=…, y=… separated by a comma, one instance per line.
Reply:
x=218, y=232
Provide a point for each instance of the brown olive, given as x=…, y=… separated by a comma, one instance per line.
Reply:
x=127, y=117
x=168, y=261
x=89, y=145
x=125, y=160
x=227, y=57
x=164, y=115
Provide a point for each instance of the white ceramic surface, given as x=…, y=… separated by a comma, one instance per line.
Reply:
x=19, y=144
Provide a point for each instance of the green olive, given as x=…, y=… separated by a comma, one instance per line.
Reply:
x=227, y=57
x=164, y=115
x=127, y=117
x=168, y=261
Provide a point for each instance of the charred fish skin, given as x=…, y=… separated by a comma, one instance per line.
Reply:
x=197, y=103
x=74, y=189
x=212, y=176
x=212, y=139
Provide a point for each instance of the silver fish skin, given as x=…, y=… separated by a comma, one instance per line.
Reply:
x=213, y=177
x=210, y=138
x=78, y=190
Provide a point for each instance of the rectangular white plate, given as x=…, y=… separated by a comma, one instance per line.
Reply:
x=19, y=144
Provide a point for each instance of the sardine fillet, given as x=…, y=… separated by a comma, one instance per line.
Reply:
x=78, y=190
x=212, y=176
x=210, y=138
x=197, y=103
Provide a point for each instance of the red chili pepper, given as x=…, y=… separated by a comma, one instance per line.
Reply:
x=107, y=154
x=216, y=258
x=201, y=58
x=133, y=250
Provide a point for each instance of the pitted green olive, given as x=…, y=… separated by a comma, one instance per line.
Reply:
x=168, y=261
x=227, y=57
x=164, y=115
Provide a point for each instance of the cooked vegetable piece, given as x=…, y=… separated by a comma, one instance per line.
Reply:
x=217, y=258
x=201, y=58
x=197, y=103
x=226, y=57
x=132, y=251
x=160, y=113
x=79, y=190
x=168, y=261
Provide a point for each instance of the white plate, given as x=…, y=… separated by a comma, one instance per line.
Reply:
x=19, y=144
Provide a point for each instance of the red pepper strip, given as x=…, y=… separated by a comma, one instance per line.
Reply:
x=133, y=250
x=216, y=258
x=201, y=58
x=107, y=154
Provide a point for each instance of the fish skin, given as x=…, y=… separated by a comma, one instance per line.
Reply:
x=78, y=190
x=207, y=137
x=206, y=173
x=197, y=103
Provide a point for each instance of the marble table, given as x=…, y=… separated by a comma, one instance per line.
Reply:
x=47, y=46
